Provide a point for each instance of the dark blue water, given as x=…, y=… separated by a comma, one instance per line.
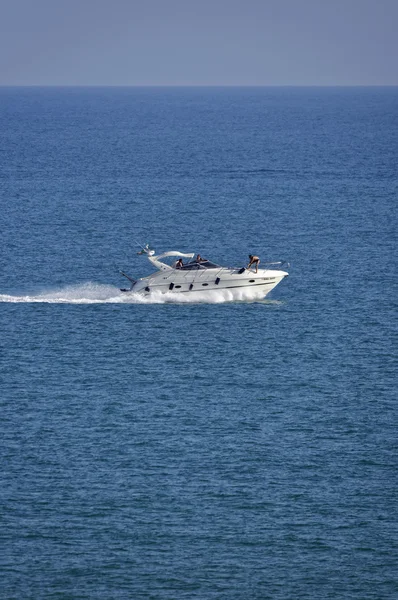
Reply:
x=212, y=449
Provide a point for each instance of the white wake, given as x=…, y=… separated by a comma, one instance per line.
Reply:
x=96, y=293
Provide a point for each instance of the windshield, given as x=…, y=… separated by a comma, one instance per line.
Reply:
x=203, y=264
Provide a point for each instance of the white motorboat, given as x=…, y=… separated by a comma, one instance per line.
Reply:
x=173, y=275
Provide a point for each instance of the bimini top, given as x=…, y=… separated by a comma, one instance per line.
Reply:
x=156, y=260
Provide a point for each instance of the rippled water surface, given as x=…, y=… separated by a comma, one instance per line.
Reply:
x=226, y=447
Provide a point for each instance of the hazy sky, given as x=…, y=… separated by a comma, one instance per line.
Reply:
x=206, y=42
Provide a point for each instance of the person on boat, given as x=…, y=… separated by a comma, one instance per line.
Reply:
x=200, y=259
x=179, y=263
x=254, y=260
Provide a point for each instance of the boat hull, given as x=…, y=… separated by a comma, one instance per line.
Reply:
x=176, y=282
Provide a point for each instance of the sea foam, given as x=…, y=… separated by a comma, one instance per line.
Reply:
x=96, y=293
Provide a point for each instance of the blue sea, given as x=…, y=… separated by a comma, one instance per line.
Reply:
x=207, y=448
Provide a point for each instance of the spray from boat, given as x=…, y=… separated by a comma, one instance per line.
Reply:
x=96, y=293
